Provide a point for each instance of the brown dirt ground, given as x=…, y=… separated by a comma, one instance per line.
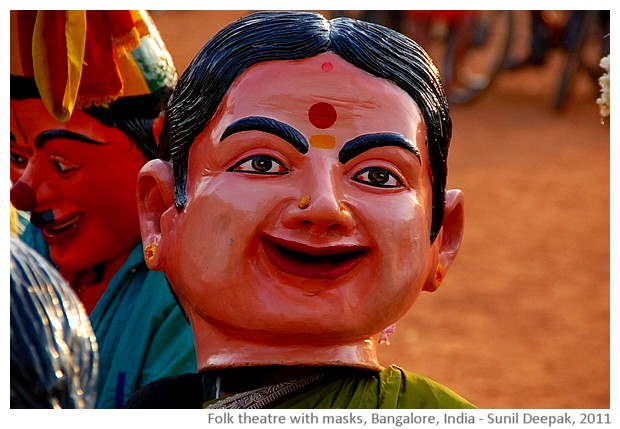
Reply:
x=523, y=317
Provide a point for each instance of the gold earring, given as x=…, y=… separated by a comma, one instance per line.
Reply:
x=150, y=251
x=305, y=202
x=439, y=275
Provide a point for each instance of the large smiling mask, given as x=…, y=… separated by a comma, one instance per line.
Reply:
x=302, y=213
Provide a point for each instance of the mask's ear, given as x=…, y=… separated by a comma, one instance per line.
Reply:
x=448, y=240
x=155, y=191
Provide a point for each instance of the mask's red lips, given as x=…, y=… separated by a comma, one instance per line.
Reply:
x=62, y=229
x=301, y=260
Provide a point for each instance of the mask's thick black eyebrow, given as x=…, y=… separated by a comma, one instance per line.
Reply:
x=271, y=126
x=48, y=135
x=365, y=142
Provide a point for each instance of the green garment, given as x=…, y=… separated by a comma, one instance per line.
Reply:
x=141, y=332
x=392, y=388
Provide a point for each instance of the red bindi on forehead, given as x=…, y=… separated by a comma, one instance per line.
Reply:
x=322, y=115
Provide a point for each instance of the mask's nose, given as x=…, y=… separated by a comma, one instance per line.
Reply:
x=23, y=196
x=320, y=207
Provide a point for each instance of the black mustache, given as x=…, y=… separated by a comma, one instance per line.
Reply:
x=41, y=219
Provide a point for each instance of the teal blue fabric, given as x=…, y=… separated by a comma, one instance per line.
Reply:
x=141, y=332
x=32, y=236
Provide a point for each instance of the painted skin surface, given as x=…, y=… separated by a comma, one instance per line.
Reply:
x=78, y=180
x=268, y=277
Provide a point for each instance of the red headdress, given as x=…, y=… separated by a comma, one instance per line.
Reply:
x=80, y=58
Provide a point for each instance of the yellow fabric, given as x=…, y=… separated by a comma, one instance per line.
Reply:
x=70, y=34
x=133, y=79
x=75, y=33
x=14, y=221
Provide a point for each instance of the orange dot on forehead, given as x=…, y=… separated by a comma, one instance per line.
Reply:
x=322, y=115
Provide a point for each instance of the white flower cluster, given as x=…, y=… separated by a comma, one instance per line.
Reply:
x=603, y=100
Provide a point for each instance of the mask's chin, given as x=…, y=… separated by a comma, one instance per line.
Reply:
x=218, y=349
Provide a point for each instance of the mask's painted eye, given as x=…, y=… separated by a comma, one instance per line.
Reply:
x=259, y=164
x=64, y=167
x=18, y=160
x=378, y=177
